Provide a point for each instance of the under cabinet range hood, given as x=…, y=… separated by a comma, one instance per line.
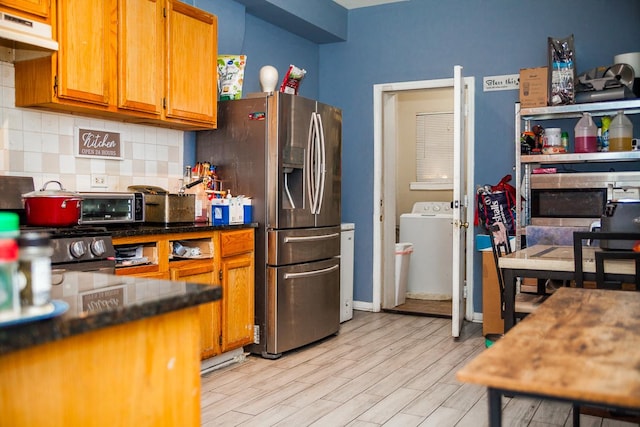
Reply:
x=29, y=38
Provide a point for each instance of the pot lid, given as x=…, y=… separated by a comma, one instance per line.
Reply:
x=44, y=192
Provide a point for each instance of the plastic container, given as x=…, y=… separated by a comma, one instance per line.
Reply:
x=620, y=133
x=552, y=137
x=35, y=268
x=403, y=256
x=9, y=291
x=586, y=135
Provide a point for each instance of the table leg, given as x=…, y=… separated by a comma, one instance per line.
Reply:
x=576, y=414
x=509, y=299
x=495, y=407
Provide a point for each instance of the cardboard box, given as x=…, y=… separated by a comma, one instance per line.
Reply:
x=492, y=322
x=483, y=242
x=534, y=87
x=236, y=210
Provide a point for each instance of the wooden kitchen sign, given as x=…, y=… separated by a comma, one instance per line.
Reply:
x=103, y=300
x=98, y=143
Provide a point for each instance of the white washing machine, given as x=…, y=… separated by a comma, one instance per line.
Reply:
x=428, y=228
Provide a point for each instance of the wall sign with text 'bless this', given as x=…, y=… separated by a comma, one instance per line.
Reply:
x=98, y=144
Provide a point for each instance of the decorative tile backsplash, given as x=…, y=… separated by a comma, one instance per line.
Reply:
x=42, y=145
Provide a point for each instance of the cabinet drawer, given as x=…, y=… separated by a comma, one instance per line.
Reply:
x=191, y=249
x=236, y=242
x=132, y=255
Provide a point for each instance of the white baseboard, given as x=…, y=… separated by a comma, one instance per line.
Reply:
x=363, y=306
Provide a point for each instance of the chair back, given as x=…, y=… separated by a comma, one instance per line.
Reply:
x=500, y=245
x=604, y=280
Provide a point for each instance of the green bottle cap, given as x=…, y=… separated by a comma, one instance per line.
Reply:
x=9, y=222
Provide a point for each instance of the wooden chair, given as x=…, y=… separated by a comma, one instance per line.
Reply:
x=605, y=281
x=615, y=240
x=525, y=303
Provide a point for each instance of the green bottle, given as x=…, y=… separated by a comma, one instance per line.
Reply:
x=9, y=292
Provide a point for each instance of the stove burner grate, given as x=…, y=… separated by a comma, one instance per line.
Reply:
x=79, y=230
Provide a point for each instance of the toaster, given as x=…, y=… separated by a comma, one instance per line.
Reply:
x=160, y=206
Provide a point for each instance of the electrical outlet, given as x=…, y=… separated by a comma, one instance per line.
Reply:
x=98, y=181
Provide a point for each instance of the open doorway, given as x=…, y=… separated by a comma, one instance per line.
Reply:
x=393, y=103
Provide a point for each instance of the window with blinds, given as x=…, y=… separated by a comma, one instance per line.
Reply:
x=434, y=151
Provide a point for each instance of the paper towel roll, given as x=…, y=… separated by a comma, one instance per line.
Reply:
x=632, y=58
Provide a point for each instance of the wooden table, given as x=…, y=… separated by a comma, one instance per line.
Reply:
x=551, y=262
x=580, y=346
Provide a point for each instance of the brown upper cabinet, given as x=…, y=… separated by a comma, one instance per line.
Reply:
x=142, y=61
x=38, y=8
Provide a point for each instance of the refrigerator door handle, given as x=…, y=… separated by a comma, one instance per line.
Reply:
x=322, y=165
x=316, y=164
x=308, y=162
x=311, y=273
x=299, y=239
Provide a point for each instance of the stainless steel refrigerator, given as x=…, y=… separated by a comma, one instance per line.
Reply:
x=284, y=151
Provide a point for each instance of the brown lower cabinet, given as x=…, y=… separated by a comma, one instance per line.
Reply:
x=226, y=258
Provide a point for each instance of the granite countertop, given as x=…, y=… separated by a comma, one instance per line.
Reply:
x=98, y=301
x=131, y=230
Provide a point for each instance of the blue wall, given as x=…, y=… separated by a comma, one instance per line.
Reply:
x=418, y=40
x=264, y=44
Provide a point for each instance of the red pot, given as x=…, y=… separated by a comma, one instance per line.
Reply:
x=52, y=208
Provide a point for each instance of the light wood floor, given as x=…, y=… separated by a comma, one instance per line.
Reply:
x=382, y=369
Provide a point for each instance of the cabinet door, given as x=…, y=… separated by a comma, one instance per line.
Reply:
x=209, y=313
x=86, y=33
x=35, y=7
x=210, y=329
x=191, y=64
x=238, y=301
x=140, y=55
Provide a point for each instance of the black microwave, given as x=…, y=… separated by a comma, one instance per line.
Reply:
x=111, y=208
x=578, y=199
x=569, y=203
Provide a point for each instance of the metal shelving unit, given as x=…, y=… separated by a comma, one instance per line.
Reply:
x=526, y=163
x=575, y=111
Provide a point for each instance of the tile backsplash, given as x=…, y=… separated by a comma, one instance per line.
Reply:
x=41, y=145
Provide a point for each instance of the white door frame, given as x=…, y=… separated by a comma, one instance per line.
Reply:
x=384, y=215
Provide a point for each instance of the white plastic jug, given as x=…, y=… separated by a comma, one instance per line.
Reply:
x=620, y=133
x=586, y=135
